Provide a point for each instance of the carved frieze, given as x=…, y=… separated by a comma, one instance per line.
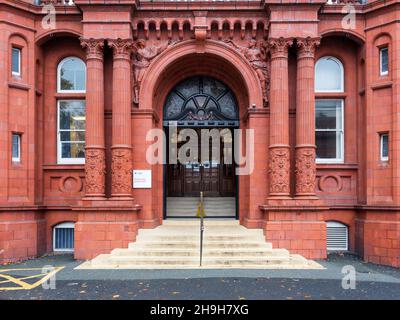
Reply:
x=305, y=171
x=279, y=170
x=121, y=171
x=95, y=169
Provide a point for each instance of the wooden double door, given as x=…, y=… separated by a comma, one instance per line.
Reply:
x=215, y=176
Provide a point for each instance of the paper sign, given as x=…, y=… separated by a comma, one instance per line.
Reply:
x=142, y=179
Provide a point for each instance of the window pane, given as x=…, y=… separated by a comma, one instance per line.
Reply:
x=385, y=145
x=72, y=150
x=328, y=144
x=328, y=114
x=15, y=145
x=73, y=75
x=72, y=115
x=15, y=60
x=328, y=75
x=72, y=136
x=384, y=60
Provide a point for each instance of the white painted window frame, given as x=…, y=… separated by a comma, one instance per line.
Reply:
x=381, y=72
x=18, y=135
x=59, y=76
x=15, y=73
x=70, y=225
x=60, y=159
x=339, y=142
x=381, y=135
x=341, y=89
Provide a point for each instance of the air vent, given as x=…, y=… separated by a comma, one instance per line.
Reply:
x=63, y=237
x=337, y=237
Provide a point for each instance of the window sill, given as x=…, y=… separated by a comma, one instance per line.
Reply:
x=382, y=85
x=19, y=85
x=63, y=167
x=330, y=95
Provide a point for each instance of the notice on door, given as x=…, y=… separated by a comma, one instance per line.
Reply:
x=142, y=179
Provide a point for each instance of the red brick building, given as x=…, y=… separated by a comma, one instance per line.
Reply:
x=83, y=83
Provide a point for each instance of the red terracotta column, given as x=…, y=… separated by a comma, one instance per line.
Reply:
x=121, y=150
x=95, y=163
x=305, y=119
x=279, y=150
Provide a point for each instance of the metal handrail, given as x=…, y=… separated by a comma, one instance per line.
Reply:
x=200, y=214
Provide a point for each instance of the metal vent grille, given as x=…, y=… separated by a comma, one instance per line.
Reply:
x=63, y=237
x=337, y=236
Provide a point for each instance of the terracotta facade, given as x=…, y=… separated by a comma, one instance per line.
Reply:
x=135, y=53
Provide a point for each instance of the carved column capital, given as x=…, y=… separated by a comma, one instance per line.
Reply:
x=306, y=47
x=94, y=48
x=122, y=48
x=278, y=47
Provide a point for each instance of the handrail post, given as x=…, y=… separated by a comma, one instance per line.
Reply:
x=201, y=227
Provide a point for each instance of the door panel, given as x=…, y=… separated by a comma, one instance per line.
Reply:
x=212, y=177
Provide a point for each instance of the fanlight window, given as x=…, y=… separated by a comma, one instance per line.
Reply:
x=329, y=75
x=201, y=100
x=71, y=75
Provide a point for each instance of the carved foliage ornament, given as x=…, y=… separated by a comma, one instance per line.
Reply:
x=95, y=169
x=122, y=48
x=121, y=171
x=305, y=170
x=279, y=170
x=278, y=47
x=307, y=46
x=94, y=48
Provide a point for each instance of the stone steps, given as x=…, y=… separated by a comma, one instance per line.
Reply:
x=213, y=207
x=176, y=245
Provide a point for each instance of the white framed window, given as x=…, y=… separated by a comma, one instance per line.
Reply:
x=71, y=76
x=384, y=146
x=16, y=61
x=384, y=61
x=337, y=236
x=329, y=75
x=16, y=147
x=63, y=237
x=71, y=124
x=329, y=133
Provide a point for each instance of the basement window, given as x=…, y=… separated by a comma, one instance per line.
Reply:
x=337, y=236
x=63, y=237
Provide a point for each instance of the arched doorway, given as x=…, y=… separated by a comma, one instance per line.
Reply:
x=200, y=114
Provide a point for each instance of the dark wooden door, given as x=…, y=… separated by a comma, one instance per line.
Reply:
x=213, y=176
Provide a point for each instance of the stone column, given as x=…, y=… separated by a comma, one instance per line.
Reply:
x=95, y=164
x=121, y=149
x=305, y=119
x=279, y=150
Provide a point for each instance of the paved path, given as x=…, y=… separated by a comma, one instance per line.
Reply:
x=372, y=282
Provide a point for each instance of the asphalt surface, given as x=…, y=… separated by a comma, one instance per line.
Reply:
x=372, y=282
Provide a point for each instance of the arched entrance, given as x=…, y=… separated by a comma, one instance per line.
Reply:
x=200, y=114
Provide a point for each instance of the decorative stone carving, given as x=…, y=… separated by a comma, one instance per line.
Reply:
x=122, y=48
x=255, y=52
x=305, y=171
x=142, y=57
x=121, y=172
x=307, y=47
x=94, y=48
x=95, y=170
x=279, y=170
x=278, y=47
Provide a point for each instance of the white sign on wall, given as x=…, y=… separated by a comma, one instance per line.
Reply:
x=142, y=179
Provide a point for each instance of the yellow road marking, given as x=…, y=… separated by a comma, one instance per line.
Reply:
x=19, y=281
